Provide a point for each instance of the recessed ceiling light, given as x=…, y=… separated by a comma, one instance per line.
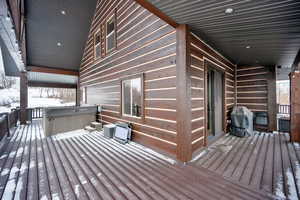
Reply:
x=59, y=44
x=229, y=10
x=63, y=12
x=248, y=47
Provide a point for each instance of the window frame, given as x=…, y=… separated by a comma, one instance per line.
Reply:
x=96, y=45
x=111, y=17
x=83, y=95
x=131, y=117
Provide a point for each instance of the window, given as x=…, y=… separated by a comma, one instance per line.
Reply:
x=97, y=44
x=83, y=95
x=110, y=34
x=132, y=97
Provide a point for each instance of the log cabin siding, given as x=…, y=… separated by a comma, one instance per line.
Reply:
x=201, y=53
x=252, y=87
x=145, y=44
x=255, y=85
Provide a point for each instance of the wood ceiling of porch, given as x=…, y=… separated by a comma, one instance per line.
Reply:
x=271, y=29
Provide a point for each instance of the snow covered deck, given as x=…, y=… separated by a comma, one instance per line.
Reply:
x=266, y=161
x=83, y=165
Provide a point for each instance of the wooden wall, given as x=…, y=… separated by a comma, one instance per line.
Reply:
x=202, y=55
x=145, y=44
x=252, y=87
x=253, y=83
x=256, y=89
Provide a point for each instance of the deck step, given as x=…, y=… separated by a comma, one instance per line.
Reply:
x=96, y=125
x=89, y=128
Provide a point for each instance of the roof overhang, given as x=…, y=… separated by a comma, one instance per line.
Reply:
x=11, y=54
x=56, y=32
x=247, y=32
x=52, y=77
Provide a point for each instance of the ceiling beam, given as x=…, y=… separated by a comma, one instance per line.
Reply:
x=157, y=12
x=50, y=85
x=52, y=70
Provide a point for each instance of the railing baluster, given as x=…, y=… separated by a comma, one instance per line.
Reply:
x=283, y=109
x=37, y=112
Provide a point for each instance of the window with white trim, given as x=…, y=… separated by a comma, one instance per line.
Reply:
x=110, y=34
x=97, y=44
x=132, y=97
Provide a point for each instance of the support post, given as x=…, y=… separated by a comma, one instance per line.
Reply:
x=272, y=100
x=295, y=106
x=23, y=97
x=183, y=90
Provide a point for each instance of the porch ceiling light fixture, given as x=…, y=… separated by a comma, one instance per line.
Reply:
x=63, y=12
x=58, y=44
x=229, y=11
x=248, y=47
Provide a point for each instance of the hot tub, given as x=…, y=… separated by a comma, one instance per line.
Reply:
x=69, y=118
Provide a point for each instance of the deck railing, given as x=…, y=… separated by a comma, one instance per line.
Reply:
x=8, y=121
x=37, y=112
x=283, y=109
x=14, y=117
x=4, y=126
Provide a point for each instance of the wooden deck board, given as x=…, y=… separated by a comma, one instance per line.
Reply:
x=54, y=184
x=65, y=184
x=242, y=158
x=294, y=164
x=247, y=172
x=265, y=161
x=267, y=180
x=154, y=169
x=260, y=164
x=7, y=185
x=89, y=166
x=20, y=191
x=231, y=156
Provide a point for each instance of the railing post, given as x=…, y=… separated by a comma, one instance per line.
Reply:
x=23, y=96
x=7, y=124
x=271, y=77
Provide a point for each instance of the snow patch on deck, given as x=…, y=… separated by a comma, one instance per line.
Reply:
x=279, y=187
x=9, y=189
x=55, y=196
x=70, y=134
x=292, y=192
x=202, y=153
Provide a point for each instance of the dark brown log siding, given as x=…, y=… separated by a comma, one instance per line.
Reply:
x=252, y=87
x=145, y=44
x=201, y=53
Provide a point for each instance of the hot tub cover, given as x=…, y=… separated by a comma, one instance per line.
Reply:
x=241, y=121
